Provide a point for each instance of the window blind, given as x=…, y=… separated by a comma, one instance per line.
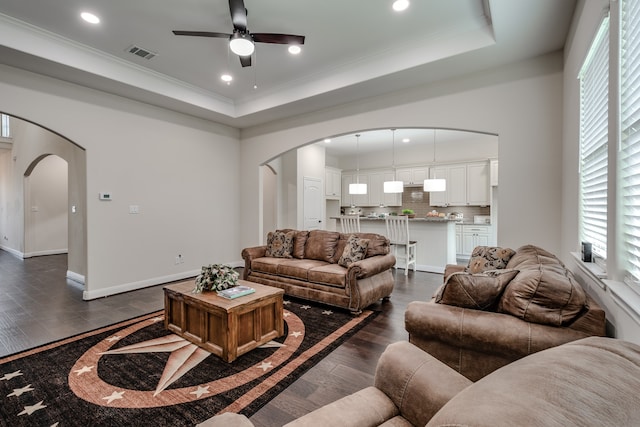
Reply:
x=630, y=135
x=594, y=94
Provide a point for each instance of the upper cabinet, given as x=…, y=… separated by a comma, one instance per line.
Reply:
x=375, y=189
x=414, y=176
x=332, y=183
x=493, y=172
x=467, y=185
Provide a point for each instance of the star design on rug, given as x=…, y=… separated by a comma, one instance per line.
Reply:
x=265, y=366
x=285, y=302
x=184, y=356
x=28, y=410
x=113, y=338
x=114, y=396
x=327, y=312
x=305, y=307
x=296, y=334
x=20, y=391
x=272, y=344
x=286, y=314
x=157, y=319
x=7, y=377
x=200, y=391
x=83, y=370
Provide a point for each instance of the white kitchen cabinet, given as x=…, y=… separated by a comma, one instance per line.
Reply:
x=332, y=183
x=413, y=176
x=493, y=172
x=354, y=199
x=459, y=245
x=377, y=196
x=467, y=185
x=478, y=184
x=474, y=235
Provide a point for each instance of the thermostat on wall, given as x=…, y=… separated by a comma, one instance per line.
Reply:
x=104, y=196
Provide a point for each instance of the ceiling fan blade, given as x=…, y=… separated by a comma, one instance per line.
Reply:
x=277, y=38
x=201, y=34
x=238, y=14
x=245, y=61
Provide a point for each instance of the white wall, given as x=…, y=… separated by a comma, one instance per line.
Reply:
x=521, y=103
x=181, y=172
x=46, y=217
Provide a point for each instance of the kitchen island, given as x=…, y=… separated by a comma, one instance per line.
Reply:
x=436, y=239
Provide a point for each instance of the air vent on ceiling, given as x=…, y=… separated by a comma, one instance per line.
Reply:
x=143, y=53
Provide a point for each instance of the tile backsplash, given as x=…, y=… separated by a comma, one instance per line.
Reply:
x=418, y=200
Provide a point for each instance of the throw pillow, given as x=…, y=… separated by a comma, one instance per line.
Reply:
x=477, y=291
x=485, y=258
x=355, y=250
x=280, y=244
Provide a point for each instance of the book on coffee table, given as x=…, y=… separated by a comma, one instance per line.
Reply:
x=236, y=291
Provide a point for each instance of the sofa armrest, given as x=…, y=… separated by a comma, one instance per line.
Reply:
x=370, y=266
x=490, y=332
x=417, y=383
x=249, y=254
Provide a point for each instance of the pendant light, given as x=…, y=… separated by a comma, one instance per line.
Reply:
x=357, y=188
x=435, y=184
x=394, y=186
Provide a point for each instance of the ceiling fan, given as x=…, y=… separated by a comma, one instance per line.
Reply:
x=241, y=42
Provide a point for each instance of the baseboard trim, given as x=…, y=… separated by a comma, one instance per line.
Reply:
x=13, y=252
x=44, y=253
x=126, y=287
x=78, y=278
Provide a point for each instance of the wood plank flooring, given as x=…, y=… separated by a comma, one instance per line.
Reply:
x=39, y=305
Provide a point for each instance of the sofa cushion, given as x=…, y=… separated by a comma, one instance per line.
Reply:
x=328, y=274
x=321, y=245
x=298, y=243
x=355, y=250
x=280, y=244
x=488, y=258
x=476, y=291
x=267, y=264
x=531, y=255
x=298, y=268
x=544, y=293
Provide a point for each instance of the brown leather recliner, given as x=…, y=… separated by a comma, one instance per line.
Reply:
x=542, y=306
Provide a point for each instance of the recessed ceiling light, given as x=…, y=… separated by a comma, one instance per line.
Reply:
x=90, y=17
x=327, y=140
x=406, y=140
x=294, y=49
x=400, y=5
x=226, y=78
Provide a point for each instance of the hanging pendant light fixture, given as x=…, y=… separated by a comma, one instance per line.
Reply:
x=435, y=184
x=357, y=188
x=394, y=186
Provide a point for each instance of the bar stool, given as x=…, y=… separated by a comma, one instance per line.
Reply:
x=350, y=224
x=398, y=235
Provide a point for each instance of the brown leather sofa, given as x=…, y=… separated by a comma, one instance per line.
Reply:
x=311, y=270
x=541, y=306
x=589, y=382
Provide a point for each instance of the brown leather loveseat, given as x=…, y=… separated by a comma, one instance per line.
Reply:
x=351, y=271
x=479, y=322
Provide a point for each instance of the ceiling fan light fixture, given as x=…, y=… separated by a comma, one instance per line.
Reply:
x=400, y=5
x=294, y=49
x=241, y=44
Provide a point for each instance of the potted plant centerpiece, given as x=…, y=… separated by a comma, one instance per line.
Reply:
x=216, y=277
x=409, y=212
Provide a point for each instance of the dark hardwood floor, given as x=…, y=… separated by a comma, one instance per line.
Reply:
x=39, y=305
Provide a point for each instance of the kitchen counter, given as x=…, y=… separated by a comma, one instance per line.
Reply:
x=436, y=239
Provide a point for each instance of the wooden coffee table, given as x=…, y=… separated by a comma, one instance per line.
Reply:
x=225, y=327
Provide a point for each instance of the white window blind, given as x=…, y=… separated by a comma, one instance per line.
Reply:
x=629, y=157
x=594, y=93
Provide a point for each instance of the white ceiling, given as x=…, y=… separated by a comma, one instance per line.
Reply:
x=354, y=49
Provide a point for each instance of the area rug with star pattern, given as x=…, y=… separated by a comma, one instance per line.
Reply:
x=136, y=373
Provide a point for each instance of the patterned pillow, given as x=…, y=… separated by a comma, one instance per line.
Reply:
x=476, y=291
x=280, y=244
x=355, y=250
x=485, y=258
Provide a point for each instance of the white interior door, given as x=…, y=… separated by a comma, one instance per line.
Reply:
x=312, y=203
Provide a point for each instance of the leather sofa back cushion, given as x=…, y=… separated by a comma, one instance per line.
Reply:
x=321, y=245
x=476, y=291
x=298, y=244
x=544, y=293
x=532, y=255
x=378, y=244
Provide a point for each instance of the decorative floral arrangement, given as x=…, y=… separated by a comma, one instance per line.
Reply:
x=216, y=277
